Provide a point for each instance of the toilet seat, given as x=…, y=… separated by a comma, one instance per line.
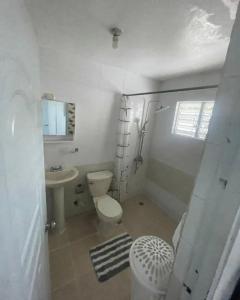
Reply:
x=108, y=208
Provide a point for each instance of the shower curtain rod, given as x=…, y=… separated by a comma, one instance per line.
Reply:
x=175, y=90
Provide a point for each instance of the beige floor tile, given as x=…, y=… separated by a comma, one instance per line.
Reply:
x=82, y=246
x=61, y=267
x=119, y=286
x=69, y=292
x=116, y=288
x=56, y=241
x=82, y=264
x=119, y=229
x=90, y=288
x=147, y=219
x=81, y=226
x=71, y=268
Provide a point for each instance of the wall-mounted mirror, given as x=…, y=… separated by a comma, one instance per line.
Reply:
x=58, y=120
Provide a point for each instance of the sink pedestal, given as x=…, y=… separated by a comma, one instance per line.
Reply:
x=56, y=181
x=58, y=208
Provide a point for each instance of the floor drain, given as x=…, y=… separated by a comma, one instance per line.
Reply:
x=141, y=203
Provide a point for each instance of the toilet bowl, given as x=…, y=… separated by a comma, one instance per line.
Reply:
x=109, y=211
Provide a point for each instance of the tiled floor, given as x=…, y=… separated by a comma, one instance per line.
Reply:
x=72, y=275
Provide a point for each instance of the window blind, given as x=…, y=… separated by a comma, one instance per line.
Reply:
x=192, y=118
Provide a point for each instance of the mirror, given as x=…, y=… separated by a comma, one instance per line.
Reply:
x=58, y=120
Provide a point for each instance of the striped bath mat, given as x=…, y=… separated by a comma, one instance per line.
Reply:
x=111, y=257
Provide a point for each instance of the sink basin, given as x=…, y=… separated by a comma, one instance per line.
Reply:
x=59, y=178
x=56, y=180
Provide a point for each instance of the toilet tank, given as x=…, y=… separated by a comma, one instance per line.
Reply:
x=99, y=182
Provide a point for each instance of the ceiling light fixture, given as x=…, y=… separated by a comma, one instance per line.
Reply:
x=116, y=32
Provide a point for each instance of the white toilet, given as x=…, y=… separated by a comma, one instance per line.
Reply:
x=108, y=209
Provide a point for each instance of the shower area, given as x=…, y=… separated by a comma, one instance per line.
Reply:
x=135, y=124
x=135, y=127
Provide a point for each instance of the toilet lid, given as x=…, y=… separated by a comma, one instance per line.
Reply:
x=109, y=207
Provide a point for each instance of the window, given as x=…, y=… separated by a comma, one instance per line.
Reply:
x=192, y=118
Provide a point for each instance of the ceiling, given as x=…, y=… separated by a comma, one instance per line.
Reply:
x=161, y=39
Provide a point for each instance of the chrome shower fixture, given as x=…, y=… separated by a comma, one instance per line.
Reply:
x=142, y=129
x=116, y=32
x=157, y=110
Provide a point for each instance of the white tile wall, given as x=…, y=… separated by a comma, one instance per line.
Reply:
x=168, y=202
x=179, y=152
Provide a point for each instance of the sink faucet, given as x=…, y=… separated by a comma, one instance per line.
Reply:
x=56, y=168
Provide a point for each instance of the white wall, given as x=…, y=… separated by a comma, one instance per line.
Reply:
x=181, y=155
x=96, y=90
x=180, y=152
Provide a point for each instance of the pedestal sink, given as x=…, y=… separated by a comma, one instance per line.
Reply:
x=56, y=181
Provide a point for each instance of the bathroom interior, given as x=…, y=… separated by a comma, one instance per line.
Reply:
x=120, y=149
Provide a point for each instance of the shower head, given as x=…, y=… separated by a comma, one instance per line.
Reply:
x=161, y=108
